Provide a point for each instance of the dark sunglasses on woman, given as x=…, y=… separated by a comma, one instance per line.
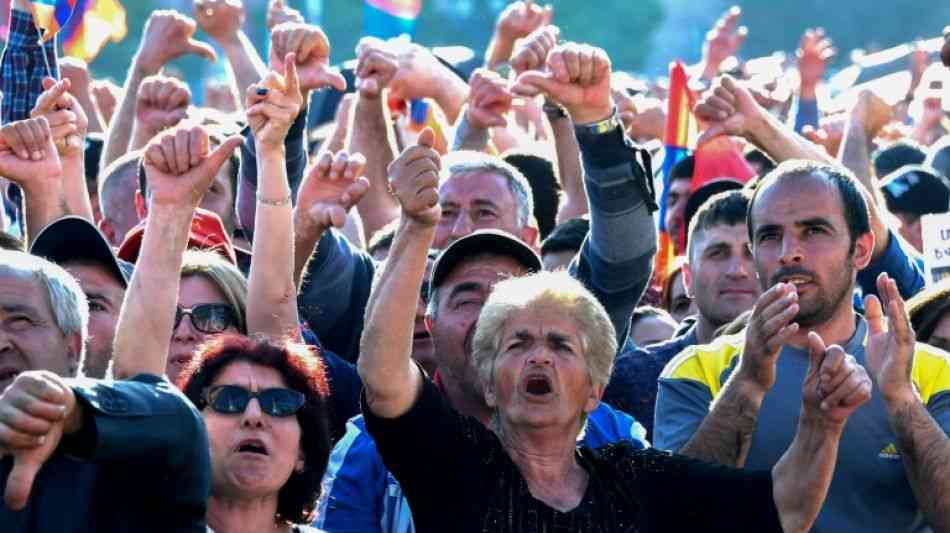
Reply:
x=208, y=318
x=232, y=400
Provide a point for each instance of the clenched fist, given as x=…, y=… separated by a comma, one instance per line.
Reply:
x=489, y=100
x=414, y=181
x=161, y=103
x=311, y=48
x=169, y=35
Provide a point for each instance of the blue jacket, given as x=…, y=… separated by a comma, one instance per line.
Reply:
x=361, y=496
x=140, y=463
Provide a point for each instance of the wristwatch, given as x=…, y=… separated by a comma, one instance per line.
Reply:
x=601, y=126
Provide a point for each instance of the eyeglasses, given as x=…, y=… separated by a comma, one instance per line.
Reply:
x=208, y=318
x=232, y=400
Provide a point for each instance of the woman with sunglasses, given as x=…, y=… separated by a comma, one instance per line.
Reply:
x=211, y=300
x=263, y=403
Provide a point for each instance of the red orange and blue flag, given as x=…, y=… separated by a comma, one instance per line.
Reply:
x=52, y=15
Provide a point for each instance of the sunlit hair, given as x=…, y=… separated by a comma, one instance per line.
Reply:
x=66, y=299
x=465, y=162
x=225, y=276
x=557, y=289
x=303, y=371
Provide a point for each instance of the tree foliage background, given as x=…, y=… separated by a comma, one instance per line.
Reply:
x=640, y=35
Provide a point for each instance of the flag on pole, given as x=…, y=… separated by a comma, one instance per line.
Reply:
x=679, y=137
x=51, y=16
x=391, y=18
x=95, y=23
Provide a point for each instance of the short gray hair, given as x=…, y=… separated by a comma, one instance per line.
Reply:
x=466, y=162
x=66, y=298
x=597, y=335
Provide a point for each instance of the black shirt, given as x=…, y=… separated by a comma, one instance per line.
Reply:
x=458, y=477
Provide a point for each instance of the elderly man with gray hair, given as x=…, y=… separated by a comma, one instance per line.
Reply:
x=44, y=317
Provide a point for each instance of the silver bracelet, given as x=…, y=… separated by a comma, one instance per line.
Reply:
x=276, y=203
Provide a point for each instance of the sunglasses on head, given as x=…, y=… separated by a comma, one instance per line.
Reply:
x=207, y=318
x=232, y=400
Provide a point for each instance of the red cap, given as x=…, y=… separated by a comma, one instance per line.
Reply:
x=207, y=233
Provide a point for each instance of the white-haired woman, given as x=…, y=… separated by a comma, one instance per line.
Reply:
x=544, y=347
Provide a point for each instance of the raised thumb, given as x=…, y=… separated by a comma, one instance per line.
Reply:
x=426, y=138
x=221, y=154
x=816, y=350
x=713, y=131
x=333, y=78
x=20, y=480
x=202, y=49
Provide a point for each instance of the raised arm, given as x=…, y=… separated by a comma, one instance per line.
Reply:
x=924, y=446
x=68, y=125
x=161, y=103
x=515, y=22
x=370, y=131
x=489, y=101
x=180, y=166
x=168, y=35
x=29, y=158
x=616, y=259
x=391, y=380
x=222, y=20
x=272, y=105
x=80, y=86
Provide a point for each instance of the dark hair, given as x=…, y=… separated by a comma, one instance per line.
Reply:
x=303, y=370
x=683, y=169
x=568, y=236
x=853, y=206
x=724, y=209
x=9, y=242
x=383, y=238
x=760, y=158
x=545, y=187
x=897, y=154
x=927, y=307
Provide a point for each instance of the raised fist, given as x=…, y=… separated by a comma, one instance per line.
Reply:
x=67, y=120
x=577, y=77
x=727, y=109
x=414, y=181
x=169, y=35
x=532, y=52
x=77, y=72
x=273, y=104
x=106, y=94
x=311, y=48
x=420, y=74
x=334, y=184
x=180, y=166
x=376, y=66
x=221, y=19
x=161, y=103
x=521, y=18
x=489, y=100
x=28, y=156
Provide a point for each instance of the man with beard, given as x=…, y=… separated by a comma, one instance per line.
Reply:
x=735, y=401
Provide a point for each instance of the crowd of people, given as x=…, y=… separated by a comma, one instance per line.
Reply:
x=438, y=310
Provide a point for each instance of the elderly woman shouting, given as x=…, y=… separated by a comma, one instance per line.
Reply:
x=543, y=347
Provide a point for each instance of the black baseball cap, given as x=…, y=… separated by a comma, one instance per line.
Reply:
x=481, y=242
x=916, y=189
x=76, y=239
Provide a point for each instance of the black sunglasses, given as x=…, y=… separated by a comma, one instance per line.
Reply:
x=208, y=318
x=232, y=400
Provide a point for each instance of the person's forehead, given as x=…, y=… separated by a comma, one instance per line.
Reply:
x=198, y=289
x=733, y=234
x=470, y=186
x=19, y=288
x=797, y=198
x=249, y=375
x=488, y=268
x=93, y=275
x=542, y=318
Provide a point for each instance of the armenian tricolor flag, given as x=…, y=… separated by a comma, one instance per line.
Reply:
x=680, y=136
x=95, y=23
x=52, y=15
x=391, y=18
